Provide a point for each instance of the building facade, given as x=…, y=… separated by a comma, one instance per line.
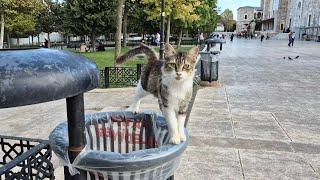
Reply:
x=303, y=17
x=274, y=15
x=248, y=19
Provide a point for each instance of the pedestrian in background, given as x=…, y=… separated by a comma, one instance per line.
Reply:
x=158, y=39
x=231, y=37
x=201, y=38
x=262, y=37
x=46, y=43
x=292, y=36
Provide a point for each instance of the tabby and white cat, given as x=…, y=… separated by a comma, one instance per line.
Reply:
x=171, y=81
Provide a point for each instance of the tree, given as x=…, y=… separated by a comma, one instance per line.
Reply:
x=17, y=17
x=227, y=20
x=134, y=19
x=20, y=26
x=181, y=10
x=208, y=16
x=138, y=19
x=3, y=6
x=117, y=39
x=50, y=19
x=88, y=17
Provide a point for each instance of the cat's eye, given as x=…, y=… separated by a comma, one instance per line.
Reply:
x=186, y=66
x=172, y=65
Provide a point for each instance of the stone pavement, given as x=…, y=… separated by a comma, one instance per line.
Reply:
x=263, y=123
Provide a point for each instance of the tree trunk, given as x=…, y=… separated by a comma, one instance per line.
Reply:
x=8, y=39
x=18, y=42
x=125, y=25
x=49, y=40
x=1, y=30
x=180, y=37
x=38, y=39
x=93, y=41
x=32, y=39
x=168, y=29
x=118, y=31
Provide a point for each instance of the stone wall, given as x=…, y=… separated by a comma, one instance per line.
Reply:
x=268, y=9
x=275, y=11
x=282, y=15
x=303, y=17
x=245, y=16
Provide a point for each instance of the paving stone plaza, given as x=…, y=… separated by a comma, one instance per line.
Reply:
x=262, y=123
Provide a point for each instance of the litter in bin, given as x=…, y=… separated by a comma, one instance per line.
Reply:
x=122, y=144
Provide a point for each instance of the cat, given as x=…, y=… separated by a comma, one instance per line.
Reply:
x=170, y=80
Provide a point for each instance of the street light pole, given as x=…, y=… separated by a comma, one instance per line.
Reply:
x=162, y=30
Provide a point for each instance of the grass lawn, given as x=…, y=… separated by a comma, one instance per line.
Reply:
x=106, y=58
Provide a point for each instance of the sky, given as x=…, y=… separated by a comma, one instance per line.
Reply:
x=235, y=4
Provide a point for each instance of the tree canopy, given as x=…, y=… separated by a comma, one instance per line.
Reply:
x=19, y=17
x=97, y=17
x=226, y=19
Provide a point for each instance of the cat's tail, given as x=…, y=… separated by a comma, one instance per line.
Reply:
x=143, y=49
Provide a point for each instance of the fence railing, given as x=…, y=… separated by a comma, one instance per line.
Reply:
x=112, y=77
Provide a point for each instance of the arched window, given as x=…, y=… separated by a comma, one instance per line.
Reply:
x=299, y=5
x=290, y=24
x=259, y=14
x=309, y=21
x=245, y=16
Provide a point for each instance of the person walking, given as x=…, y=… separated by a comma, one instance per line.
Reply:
x=201, y=38
x=46, y=43
x=231, y=37
x=291, y=38
x=158, y=39
x=262, y=37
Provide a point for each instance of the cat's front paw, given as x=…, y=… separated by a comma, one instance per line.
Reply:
x=175, y=139
x=183, y=136
x=133, y=109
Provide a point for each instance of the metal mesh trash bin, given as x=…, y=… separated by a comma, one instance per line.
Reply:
x=122, y=145
x=209, y=66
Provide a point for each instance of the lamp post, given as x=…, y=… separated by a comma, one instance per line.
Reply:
x=162, y=30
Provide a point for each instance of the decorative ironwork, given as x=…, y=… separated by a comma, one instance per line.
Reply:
x=112, y=77
x=25, y=159
x=102, y=78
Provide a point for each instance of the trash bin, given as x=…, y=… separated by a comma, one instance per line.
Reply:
x=209, y=66
x=122, y=145
x=36, y=75
x=213, y=41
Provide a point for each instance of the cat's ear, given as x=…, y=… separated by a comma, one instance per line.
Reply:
x=169, y=50
x=193, y=54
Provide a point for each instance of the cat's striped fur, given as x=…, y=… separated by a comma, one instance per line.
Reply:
x=170, y=81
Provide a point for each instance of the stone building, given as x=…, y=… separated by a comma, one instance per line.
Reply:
x=303, y=17
x=274, y=15
x=220, y=27
x=248, y=19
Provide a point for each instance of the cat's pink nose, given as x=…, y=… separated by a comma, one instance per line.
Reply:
x=179, y=73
